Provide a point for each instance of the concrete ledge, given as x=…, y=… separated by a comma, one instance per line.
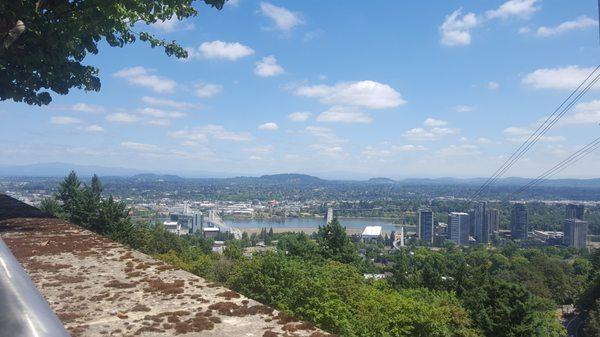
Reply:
x=98, y=287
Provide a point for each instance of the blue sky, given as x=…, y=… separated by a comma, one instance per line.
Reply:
x=338, y=89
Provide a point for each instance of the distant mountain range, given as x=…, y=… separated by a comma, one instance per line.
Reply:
x=61, y=169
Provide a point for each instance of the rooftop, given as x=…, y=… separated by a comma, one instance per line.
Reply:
x=372, y=231
x=98, y=287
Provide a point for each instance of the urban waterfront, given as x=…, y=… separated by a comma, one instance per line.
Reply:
x=307, y=223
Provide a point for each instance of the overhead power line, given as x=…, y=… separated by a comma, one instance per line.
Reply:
x=573, y=158
x=541, y=130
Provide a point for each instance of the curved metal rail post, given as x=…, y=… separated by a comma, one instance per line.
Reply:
x=23, y=310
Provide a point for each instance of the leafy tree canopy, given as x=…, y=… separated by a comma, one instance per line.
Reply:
x=43, y=43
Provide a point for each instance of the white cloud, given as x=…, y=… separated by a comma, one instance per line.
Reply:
x=64, y=120
x=456, y=28
x=433, y=132
x=463, y=108
x=517, y=134
x=328, y=143
x=585, y=113
x=366, y=94
x=581, y=22
x=484, y=141
x=141, y=147
x=141, y=76
x=343, y=114
x=300, y=116
x=83, y=107
x=206, y=90
x=518, y=8
x=268, y=67
x=568, y=77
x=152, y=112
x=458, y=150
x=258, y=150
x=524, y=30
x=169, y=103
x=224, y=50
x=159, y=122
x=202, y=133
x=386, y=150
x=94, y=128
x=282, y=18
x=493, y=85
x=269, y=126
x=419, y=134
x=434, y=122
x=172, y=24
x=121, y=117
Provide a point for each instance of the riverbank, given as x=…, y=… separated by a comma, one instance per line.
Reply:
x=307, y=230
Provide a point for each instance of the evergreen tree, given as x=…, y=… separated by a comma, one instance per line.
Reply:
x=70, y=194
x=51, y=206
x=96, y=188
x=335, y=244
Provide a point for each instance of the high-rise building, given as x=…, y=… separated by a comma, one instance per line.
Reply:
x=472, y=222
x=197, y=220
x=425, y=226
x=574, y=212
x=459, y=224
x=518, y=221
x=493, y=220
x=481, y=226
x=575, y=233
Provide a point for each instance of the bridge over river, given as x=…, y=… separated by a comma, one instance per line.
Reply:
x=215, y=220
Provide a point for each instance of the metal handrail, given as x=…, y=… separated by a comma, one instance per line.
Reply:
x=23, y=310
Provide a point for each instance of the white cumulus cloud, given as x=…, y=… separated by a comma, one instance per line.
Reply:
x=342, y=114
x=223, y=50
x=169, y=103
x=202, y=133
x=456, y=28
x=434, y=122
x=300, y=116
x=283, y=18
x=514, y=8
x=94, y=128
x=463, y=108
x=141, y=147
x=121, y=117
x=268, y=67
x=64, y=120
x=493, y=85
x=270, y=126
x=141, y=76
x=584, y=113
x=205, y=90
x=581, y=22
x=84, y=107
x=568, y=77
x=367, y=94
x=434, y=129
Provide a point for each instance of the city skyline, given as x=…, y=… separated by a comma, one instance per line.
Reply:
x=401, y=90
